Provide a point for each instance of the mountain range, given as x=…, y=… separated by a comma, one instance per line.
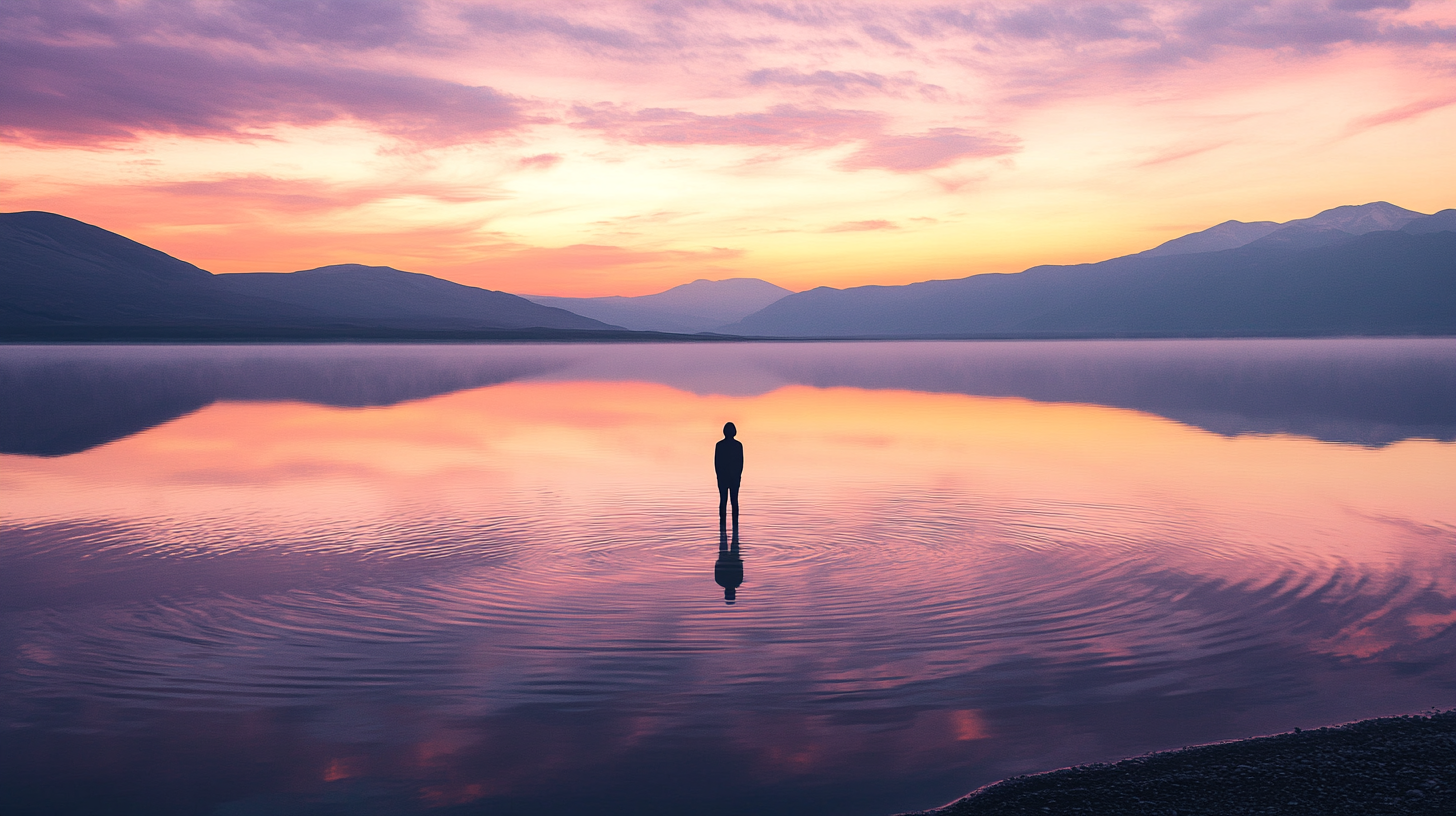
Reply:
x=1372, y=269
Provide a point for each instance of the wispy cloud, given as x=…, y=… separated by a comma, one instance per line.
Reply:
x=789, y=126
x=781, y=125
x=863, y=226
x=1399, y=113
x=1179, y=153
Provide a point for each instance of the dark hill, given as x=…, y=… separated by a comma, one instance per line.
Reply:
x=384, y=296
x=61, y=278
x=59, y=271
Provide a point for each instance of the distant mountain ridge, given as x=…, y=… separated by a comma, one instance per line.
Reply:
x=1373, y=269
x=700, y=306
x=62, y=278
x=1352, y=219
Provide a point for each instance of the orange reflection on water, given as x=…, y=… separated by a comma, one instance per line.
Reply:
x=585, y=447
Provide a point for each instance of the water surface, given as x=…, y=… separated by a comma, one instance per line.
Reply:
x=481, y=579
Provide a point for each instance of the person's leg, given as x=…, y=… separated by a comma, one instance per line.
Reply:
x=733, y=491
x=723, y=501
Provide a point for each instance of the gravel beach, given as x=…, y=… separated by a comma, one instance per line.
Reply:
x=1392, y=765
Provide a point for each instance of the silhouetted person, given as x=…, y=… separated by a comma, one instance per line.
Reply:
x=728, y=462
x=728, y=571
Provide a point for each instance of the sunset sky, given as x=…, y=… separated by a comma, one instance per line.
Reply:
x=594, y=148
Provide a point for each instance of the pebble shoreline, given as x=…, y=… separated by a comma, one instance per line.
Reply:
x=1402, y=766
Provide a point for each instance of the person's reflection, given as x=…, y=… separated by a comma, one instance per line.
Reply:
x=728, y=571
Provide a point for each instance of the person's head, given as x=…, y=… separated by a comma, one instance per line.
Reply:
x=730, y=430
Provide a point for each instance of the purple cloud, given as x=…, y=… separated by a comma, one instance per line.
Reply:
x=81, y=72
x=841, y=83
x=355, y=23
x=511, y=22
x=102, y=93
x=1086, y=22
x=351, y=23
x=881, y=34
x=1156, y=33
x=1369, y=5
x=845, y=82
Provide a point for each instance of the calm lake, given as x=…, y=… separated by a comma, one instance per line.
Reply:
x=458, y=579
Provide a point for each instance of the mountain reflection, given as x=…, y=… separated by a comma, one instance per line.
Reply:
x=58, y=400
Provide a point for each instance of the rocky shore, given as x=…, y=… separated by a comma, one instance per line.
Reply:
x=1393, y=765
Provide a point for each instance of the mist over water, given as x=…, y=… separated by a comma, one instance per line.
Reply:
x=471, y=579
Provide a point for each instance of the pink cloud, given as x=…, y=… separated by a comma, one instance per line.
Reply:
x=863, y=226
x=937, y=148
x=1399, y=114
x=260, y=192
x=541, y=161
